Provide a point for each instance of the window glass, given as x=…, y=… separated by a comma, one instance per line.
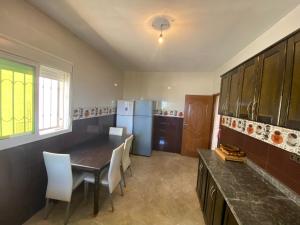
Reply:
x=16, y=98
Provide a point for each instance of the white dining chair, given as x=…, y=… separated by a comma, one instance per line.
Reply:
x=61, y=180
x=126, y=162
x=110, y=177
x=117, y=131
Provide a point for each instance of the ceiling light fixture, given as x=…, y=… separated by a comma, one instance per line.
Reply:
x=161, y=23
x=160, y=39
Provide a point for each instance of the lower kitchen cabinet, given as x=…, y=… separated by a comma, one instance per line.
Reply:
x=167, y=133
x=229, y=218
x=213, y=205
x=201, y=183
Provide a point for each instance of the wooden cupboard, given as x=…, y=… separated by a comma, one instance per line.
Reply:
x=224, y=95
x=167, y=133
x=235, y=92
x=290, y=110
x=248, y=92
x=212, y=202
x=229, y=218
x=201, y=183
x=266, y=87
x=266, y=105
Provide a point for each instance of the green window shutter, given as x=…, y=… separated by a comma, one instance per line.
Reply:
x=16, y=98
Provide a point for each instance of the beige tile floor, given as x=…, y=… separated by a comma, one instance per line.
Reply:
x=161, y=192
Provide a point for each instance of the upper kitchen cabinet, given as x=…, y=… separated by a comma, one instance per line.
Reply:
x=266, y=107
x=235, y=92
x=224, y=95
x=249, y=87
x=290, y=111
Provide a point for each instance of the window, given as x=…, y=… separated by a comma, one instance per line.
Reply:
x=53, y=100
x=16, y=98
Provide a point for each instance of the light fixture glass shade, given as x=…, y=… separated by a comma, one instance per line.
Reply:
x=160, y=39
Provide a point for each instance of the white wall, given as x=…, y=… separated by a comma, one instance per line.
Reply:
x=93, y=76
x=284, y=27
x=155, y=85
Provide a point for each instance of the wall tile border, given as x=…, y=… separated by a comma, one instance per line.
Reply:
x=168, y=113
x=91, y=112
x=286, y=139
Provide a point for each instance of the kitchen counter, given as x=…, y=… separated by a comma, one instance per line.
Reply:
x=251, y=198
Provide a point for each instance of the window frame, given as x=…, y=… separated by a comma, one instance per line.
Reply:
x=28, y=137
x=67, y=120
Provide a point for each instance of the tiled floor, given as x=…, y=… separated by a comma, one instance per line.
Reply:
x=161, y=191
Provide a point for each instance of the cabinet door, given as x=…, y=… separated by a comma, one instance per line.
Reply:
x=201, y=183
x=290, y=110
x=224, y=95
x=210, y=201
x=271, y=76
x=235, y=92
x=249, y=86
x=229, y=218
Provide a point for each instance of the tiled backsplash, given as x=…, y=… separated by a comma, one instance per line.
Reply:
x=286, y=139
x=171, y=113
x=90, y=112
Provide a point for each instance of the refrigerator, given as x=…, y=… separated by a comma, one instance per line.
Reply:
x=142, y=127
x=125, y=111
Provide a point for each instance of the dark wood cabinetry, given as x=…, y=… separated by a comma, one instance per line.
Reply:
x=224, y=96
x=167, y=133
x=214, y=203
x=290, y=111
x=266, y=87
x=235, y=92
x=229, y=218
x=249, y=79
x=201, y=183
x=211, y=200
x=271, y=76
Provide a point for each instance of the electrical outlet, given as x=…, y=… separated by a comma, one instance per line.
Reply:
x=295, y=157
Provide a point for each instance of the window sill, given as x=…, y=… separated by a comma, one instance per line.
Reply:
x=25, y=139
x=53, y=131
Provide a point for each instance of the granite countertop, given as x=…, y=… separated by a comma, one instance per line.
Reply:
x=251, y=198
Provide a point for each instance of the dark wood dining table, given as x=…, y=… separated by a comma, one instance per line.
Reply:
x=93, y=156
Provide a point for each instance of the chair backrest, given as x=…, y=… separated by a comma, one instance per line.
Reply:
x=118, y=131
x=125, y=157
x=114, y=172
x=60, y=180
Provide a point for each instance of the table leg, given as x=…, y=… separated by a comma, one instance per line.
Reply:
x=96, y=193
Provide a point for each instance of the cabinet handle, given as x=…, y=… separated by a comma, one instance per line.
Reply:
x=237, y=107
x=226, y=106
x=248, y=109
x=201, y=166
x=254, y=109
x=212, y=191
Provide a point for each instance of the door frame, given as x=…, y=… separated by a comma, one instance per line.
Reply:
x=213, y=116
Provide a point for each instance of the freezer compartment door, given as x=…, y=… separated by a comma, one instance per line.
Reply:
x=125, y=108
x=142, y=131
x=126, y=122
x=143, y=108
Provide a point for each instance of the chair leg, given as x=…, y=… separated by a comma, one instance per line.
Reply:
x=123, y=177
x=67, y=215
x=111, y=201
x=46, y=208
x=121, y=188
x=130, y=170
x=86, y=190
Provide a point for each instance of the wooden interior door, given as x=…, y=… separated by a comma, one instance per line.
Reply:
x=196, y=124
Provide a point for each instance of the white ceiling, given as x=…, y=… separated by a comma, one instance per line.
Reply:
x=205, y=34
